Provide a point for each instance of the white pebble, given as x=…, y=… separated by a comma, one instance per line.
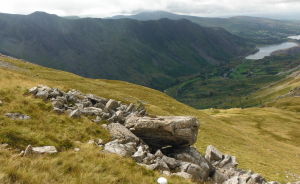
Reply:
x=162, y=180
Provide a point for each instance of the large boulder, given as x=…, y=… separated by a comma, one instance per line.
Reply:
x=164, y=131
x=120, y=132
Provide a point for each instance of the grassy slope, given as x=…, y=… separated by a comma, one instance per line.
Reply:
x=263, y=139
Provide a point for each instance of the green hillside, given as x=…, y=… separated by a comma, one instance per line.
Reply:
x=152, y=53
x=265, y=140
x=255, y=29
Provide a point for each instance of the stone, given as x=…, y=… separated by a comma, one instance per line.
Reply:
x=75, y=114
x=171, y=162
x=233, y=180
x=117, y=147
x=112, y=104
x=91, y=111
x=28, y=151
x=140, y=154
x=158, y=154
x=164, y=131
x=1, y=103
x=76, y=149
x=213, y=154
x=196, y=171
x=120, y=132
x=130, y=108
x=17, y=116
x=44, y=150
x=228, y=161
x=219, y=177
x=3, y=146
x=33, y=90
x=92, y=142
x=189, y=154
x=60, y=104
x=183, y=175
x=105, y=126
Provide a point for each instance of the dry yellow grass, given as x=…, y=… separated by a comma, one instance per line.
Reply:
x=265, y=140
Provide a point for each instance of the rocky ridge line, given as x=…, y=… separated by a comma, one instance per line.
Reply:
x=156, y=142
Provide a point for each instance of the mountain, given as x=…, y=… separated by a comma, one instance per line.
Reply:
x=264, y=139
x=151, y=53
x=255, y=29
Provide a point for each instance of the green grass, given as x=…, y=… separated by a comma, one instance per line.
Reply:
x=243, y=78
x=265, y=140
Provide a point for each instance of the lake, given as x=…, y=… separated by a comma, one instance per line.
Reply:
x=265, y=51
x=297, y=37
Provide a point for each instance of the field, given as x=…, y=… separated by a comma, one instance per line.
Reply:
x=265, y=140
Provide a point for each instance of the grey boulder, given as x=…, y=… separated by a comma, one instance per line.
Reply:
x=164, y=130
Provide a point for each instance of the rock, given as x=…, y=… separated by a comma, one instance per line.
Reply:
x=233, y=180
x=97, y=120
x=171, y=162
x=28, y=151
x=76, y=149
x=213, y=154
x=33, y=90
x=105, y=126
x=198, y=173
x=219, y=177
x=140, y=154
x=130, y=108
x=58, y=103
x=91, y=111
x=1, y=103
x=44, y=149
x=99, y=141
x=121, y=149
x=149, y=159
x=183, y=175
x=158, y=154
x=164, y=131
x=75, y=114
x=162, y=180
x=92, y=142
x=3, y=146
x=189, y=154
x=120, y=132
x=228, y=161
x=59, y=111
x=17, y=116
x=112, y=104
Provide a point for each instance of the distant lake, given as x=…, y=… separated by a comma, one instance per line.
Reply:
x=265, y=51
x=295, y=37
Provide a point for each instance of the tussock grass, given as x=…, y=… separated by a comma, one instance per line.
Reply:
x=265, y=140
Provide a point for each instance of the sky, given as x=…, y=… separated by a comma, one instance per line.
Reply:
x=107, y=8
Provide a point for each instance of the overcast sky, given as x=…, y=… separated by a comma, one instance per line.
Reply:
x=105, y=8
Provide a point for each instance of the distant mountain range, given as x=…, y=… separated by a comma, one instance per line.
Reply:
x=254, y=29
x=152, y=53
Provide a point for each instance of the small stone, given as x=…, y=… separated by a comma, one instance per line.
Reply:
x=92, y=141
x=1, y=103
x=104, y=126
x=75, y=114
x=28, y=150
x=17, y=116
x=111, y=104
x=213, y=154
x=33, y=90
x=76, y=149
x=159, y=154
x=44, y=149
x=183, y=175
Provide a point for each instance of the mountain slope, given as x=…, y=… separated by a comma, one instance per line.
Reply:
x=265, y=140
x=255, y=29
x=151, y=53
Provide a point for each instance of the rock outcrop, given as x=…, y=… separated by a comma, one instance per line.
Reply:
x=158, y=143
x=164, y=131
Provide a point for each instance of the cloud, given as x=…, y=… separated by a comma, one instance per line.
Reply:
x=103, y=8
